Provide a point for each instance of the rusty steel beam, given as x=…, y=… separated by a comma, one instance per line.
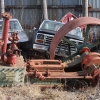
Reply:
x=67, y=28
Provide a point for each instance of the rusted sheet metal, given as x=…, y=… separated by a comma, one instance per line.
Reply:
x=68, y=17
x=67, y=28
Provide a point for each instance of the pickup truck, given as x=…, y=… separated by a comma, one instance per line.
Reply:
x=23, y=42
x=45, y=33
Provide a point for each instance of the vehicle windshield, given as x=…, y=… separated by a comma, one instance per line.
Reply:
x=14, y=26
x=77, y=32
x=55, y=26
x=51, y=25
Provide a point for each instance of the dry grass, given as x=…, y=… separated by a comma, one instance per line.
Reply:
x=31, y=92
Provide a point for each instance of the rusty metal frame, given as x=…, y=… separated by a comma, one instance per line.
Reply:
x=67, y=28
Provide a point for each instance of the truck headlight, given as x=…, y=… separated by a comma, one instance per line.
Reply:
x=39, y=41
x=40, y=36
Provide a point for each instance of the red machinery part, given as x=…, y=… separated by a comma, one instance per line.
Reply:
x=94, y=60
x=46, y=69
x=44, y=65
x=85, y=49
x=13, y=46
x=6, y=20
x=67, y=28
x=68, y=17
x=11, y=59
x=88, y=57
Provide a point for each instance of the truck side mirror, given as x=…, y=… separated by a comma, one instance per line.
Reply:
x=34, y=28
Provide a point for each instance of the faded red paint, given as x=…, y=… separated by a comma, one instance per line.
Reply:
x=6, y=20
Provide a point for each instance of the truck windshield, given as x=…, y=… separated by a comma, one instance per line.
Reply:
x=14, y=26
x=51, y=25
x=77, y=31
x=55, y=26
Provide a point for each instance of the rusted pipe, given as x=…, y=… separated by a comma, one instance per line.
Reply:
x=44, y=61
x=59, y=75
x=68, y=77
x=47, y=66
x=6, y=20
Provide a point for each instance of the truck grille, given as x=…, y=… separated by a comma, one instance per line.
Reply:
x=48, y=40
x=62, y=45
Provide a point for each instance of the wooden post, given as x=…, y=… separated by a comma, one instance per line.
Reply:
x=2, y=6
x=84, y=11
x=85, y=8
x=44, y=7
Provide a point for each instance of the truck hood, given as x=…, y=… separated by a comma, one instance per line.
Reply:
x=21, y=34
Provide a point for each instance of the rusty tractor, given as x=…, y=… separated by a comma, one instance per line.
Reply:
x=80, y=73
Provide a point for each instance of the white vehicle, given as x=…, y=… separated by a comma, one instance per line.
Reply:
x=46, y=32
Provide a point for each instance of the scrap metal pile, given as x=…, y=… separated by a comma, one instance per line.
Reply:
x=13, y=70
